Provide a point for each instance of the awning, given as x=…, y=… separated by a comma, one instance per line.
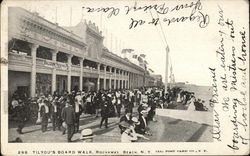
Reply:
x=88, y=84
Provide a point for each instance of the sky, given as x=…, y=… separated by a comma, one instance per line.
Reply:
x=192, y=49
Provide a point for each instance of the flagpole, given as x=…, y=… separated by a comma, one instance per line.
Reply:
x=166, y=74
x=111, y=40
x=116, y=45
x=106, y=37
x=56, y=16
x=70, y=15
x=120, y=48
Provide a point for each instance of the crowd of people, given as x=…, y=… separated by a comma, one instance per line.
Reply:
x=64, y=110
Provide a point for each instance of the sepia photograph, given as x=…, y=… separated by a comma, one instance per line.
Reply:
x=137, y=72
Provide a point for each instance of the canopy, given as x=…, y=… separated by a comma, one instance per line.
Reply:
x=88, y=84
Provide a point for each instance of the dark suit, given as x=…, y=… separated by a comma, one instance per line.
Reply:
x=20, y=115
x=68, y=115
x=55, y=117
x=105, y=112
x=45, y=118
x=124, y=118
x=78, y=114
x=142, y=128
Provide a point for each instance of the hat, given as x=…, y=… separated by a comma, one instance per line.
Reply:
x=148, y=109
x=64, y=125
x=156, y=98
x=144, y=112
x=135, y=120
x=86, y=134
x=78, y=93
x=127, y=111
x=124, y=124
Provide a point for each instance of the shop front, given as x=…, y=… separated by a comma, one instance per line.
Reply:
x=18, y=82
x=61, y=83
x=43, y=83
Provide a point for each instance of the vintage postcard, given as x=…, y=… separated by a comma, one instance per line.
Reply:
x=124, y=77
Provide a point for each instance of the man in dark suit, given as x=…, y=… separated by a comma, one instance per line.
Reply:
x=143, y=127
x=105, y=111
x=20, y=116
x=78, y=111
x=68, y=116
x=44, y=112
x=126, y=118
x=55, y=114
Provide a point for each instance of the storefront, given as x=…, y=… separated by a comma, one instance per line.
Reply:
x=61, y=83
x=75, y=82
x=18, y=82
x=43, y=83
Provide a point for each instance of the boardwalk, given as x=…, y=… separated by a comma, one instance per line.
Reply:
x=166, y=129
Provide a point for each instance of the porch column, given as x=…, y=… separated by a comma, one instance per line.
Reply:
x=104, y=79
x=126, y=79
x=98, y=79
x=110, y=85
x=33, y=70
x=137, y=80
x=81, y=72
x=118, y=78
x=122, y=79
x=53, y=88
x=115, y=79
x=69, y=72
x=129, y=80
x=133, y=80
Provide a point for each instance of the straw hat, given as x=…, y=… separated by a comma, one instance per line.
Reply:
x=87, y=134
x=148, y=109
x=64, y=125
x=135, y=120
x=144, y=112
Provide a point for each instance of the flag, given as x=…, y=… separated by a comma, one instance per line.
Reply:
x=140, y=59
x=134, y=56
x=142, y=55
x=151, y=70
x=127, y=50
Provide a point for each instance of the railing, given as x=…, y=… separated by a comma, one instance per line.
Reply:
x=75, y=68
x=19, y=57
x=90, y=70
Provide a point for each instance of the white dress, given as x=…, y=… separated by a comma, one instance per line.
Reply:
x=191, y=106
x=179, y=98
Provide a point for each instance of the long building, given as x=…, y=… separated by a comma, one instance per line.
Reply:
x=44, y=57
